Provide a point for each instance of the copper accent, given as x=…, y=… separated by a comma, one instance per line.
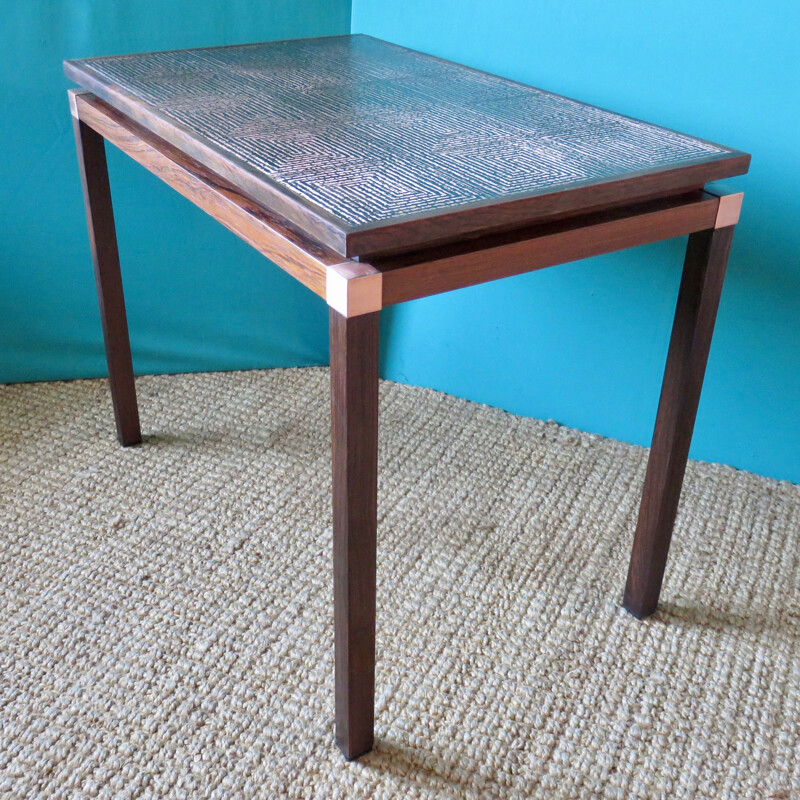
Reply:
x=730, y=207
x=74, y=94
x=353, y=288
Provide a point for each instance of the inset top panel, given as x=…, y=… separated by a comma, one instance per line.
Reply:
x=371, y=147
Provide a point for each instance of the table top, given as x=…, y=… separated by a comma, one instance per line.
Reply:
x=369, y=147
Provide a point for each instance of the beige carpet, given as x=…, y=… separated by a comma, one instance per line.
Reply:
x=166, y=620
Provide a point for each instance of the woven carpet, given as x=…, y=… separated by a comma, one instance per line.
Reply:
x=166, y=611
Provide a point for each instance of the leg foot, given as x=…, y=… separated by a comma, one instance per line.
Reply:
x=698, y=300
x=354, y=400
x=103, y=239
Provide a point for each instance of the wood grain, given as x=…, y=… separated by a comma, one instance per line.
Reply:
x=274, y=238
x=354, y=413
x=427, y=272
x=698, y=300
x=467, y=221
x=108, y=278
x=401, y=258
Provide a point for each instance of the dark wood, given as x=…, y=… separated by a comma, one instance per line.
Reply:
x=399, y=150
x=423, y=272
x=434, y=176
x=103, y=241
x=273, y=237
x=414, y=275
x=354, y=414
x=484, y=219
x=698, y=300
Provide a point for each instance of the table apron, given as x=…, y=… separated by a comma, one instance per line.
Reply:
x=354, y=287
x=570, y=243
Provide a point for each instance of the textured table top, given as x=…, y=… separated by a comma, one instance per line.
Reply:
x=362, y=143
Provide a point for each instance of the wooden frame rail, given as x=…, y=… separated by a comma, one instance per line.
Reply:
x=348, y=287
x=353, y=287
x=446, y=268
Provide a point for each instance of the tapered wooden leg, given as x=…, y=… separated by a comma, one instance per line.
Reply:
x=354, y=401
x=103, y=239
x=698, y=300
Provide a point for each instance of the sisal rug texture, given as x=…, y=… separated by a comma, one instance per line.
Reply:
x=166, y=611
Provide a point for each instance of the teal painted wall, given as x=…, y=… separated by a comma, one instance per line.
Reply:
x=585, y=343
x=197, y=297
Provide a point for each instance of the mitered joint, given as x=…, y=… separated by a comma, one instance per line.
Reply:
x=353, y=288
x=74, y=94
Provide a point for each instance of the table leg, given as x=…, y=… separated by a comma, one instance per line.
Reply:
x=103, y=240
x=698, y=300
x=354, y=406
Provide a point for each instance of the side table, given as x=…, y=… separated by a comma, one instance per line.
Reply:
x=376, y=175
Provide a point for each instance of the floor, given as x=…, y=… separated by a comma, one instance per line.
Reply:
x=166, y=621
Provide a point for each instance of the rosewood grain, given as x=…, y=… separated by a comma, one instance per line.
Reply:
x=698, y=300
x=105, y=257
x=354, y=429
x=411, y=255
x=469, y=220
x=411, y=276
x=273, y=237
x=315, y=224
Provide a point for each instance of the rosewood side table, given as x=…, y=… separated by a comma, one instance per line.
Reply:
x=375, y=175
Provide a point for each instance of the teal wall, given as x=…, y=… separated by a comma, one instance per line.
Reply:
x=585, y=343
x=197, y=297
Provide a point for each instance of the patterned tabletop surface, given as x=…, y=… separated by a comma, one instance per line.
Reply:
x=369, y=131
